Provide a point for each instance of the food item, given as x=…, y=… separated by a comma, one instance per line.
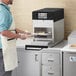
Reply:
x=73, y=45
x=42, y=33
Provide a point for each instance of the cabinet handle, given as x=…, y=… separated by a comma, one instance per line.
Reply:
x=36, y=57
x=50, y=60
x=50, y=73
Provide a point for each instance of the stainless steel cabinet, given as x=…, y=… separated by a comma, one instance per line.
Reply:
x=69, y=63
x=51, y=64
x=29, y=63
x=38, y=63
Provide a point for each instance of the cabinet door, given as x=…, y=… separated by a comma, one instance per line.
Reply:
x=50, y=59
x=69, y=64
x=50, y=70
x=51, y=64
x=29, y=63
x=20, y=68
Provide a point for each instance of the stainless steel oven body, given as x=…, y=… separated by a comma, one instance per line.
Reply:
x=48, y=25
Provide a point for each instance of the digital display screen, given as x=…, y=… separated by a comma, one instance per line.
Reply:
x=42, y=15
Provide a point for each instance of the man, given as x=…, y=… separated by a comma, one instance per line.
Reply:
x=8, y=60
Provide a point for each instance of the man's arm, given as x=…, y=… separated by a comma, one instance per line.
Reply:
x=4, y=28
x=9, y=34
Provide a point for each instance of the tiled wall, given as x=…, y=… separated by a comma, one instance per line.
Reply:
x=22, y=10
